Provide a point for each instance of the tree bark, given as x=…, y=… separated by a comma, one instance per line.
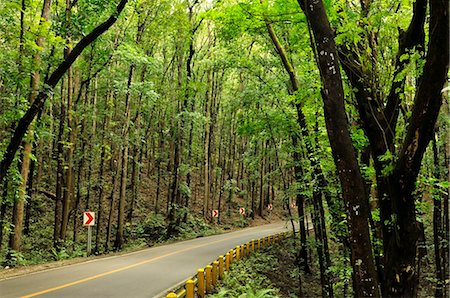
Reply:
x=18, y=214
x=124, y=168
x=352, y=182
x=69, y=189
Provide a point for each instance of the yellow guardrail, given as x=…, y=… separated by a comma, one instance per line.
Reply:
x=207, y=278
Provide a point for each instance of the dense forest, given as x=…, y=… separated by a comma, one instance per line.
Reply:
x=155, y=113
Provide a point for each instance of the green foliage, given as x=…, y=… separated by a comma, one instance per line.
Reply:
x=245, y=279
x=152, y=228
x=342, y=271
x=15, y=258
x=388, y=163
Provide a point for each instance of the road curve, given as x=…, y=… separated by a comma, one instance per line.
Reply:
x=146, y=273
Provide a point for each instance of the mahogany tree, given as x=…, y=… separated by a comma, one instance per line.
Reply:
x=396, y=177
x=397, y=165
x=365, y=280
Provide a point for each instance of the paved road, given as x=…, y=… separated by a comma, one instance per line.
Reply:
x=145, y=273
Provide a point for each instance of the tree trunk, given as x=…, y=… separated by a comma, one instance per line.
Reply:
x=30, y=191
x=302, y=254
x=352, y=182
x=207, y=151
x=437, y=226
x=124, y=166
x=59, y=173
x=16, y=237
x=101, y=178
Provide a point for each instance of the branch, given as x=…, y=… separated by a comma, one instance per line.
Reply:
x=428, y=98
x=47, y=194
x=282, y=53
x=413, y=37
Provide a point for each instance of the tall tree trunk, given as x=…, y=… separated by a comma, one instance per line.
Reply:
x=158, y=165
x=69, y=189
x=446, y=217
x=59, y=172
x=112, y=204
x=101, y=194
x=302, y=254
x=30, y=191
x=137, y=154
x=207, y=150
x=18, y=214
x=124, y=166
x=352, y=183
x=3, y=209
x=261, y=180
x=400, y=242
x=437, y=226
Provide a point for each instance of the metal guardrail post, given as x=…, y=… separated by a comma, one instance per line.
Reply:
x=248, y=249
x=238, y=250
x=208, y=279
x=253, y=245
x=201, y=283
x=227, y=261
x=231, y=256
x=215, y=270
x=221, y=270
x=263, y=241
x=190, y=285
x=259, y=244
x=242, y=250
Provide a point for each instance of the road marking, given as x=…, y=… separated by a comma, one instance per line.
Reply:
x=124, y=268
x=125, y=254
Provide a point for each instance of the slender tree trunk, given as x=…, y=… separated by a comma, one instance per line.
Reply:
x=437, y=226
x=261, y=180
x=18, y=209
x=3, y=209
x=446, y=217
x=158, y=165
x=112, y=205
x=124, y=166
x=26, y=230
x=59, y=173
x=101, y=194
x=300, y=202
x=69, y=190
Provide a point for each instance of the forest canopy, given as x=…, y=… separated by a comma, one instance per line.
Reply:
x=155, y=113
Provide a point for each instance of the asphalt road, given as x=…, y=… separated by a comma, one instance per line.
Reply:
x=146, y=273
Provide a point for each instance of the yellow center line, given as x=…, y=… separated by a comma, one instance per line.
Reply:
x=123, y=268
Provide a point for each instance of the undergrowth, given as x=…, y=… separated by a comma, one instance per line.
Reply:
x=246, y=278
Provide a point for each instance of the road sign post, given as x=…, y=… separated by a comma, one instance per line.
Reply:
x=89, y=221
x=89, y=241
